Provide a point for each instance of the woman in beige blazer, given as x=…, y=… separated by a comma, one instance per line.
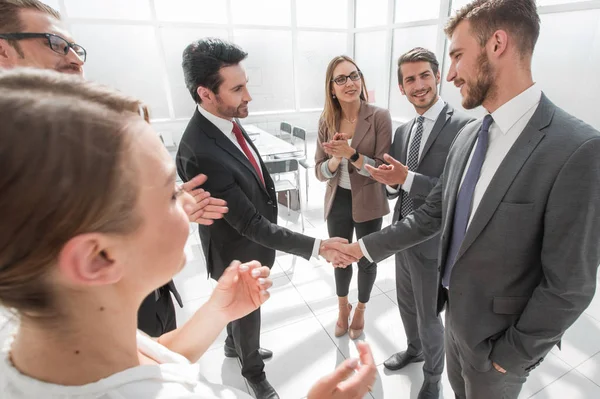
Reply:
x=352, y=134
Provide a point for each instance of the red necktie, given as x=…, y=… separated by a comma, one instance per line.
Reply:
x=242, y=142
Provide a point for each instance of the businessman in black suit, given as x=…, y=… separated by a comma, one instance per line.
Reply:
x=215, y=144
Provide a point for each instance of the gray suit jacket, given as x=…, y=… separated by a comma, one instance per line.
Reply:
x=431, y=163
x=527, y=267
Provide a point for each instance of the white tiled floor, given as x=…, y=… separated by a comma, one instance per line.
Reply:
x=299, y=318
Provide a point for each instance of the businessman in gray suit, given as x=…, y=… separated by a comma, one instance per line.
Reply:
x=421, y=146
x=517, y=207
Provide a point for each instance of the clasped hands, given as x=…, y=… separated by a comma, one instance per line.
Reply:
x=338, y=147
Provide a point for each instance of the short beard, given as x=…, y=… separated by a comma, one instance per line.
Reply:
x=484, y=86
x=229, y=112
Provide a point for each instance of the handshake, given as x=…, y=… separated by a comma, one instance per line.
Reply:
x=339, y=252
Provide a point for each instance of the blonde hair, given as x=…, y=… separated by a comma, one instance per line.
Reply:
x=332, y=112
x=65, y=172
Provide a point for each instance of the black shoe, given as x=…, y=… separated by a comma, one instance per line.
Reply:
x=401, y=359
x=429, y=390
x=263, y=390
x=264, y=353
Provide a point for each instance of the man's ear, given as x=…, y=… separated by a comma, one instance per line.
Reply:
x=87, y=260
x=7, y=54
x=402, y=89
x=206, y=95
x=498, y=43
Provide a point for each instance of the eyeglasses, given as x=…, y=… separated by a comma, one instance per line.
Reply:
x=55, y=42
x=342, y=79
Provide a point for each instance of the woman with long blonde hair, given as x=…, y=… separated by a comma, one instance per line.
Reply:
x=352, y=134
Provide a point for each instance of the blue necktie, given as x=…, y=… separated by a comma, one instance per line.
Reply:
x=464, y=201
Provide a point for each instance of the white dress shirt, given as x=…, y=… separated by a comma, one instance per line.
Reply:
x=509, y=122
x=431, y=116
x=226, y=127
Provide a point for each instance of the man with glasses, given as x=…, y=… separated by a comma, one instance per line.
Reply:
x=33, y=35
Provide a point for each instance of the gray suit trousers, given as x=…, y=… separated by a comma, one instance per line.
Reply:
x=416, y=289
x=470, y=383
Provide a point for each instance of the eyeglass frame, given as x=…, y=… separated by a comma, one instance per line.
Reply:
x=32, y=35
x=346, y=77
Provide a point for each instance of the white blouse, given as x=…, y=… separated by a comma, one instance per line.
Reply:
x=174, y=378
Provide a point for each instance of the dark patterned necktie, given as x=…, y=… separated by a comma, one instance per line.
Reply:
x=412, y=162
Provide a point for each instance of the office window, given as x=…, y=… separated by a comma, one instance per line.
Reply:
x=199, y=11
x=315, y=50
x=109, y=9
x=125, y=57
x=175, y=40
x=269, y=67
x=566, y=62
x=405, y=40
x=261, y=12
x=370, y=50
x=371, y=13
x=408, y=10
x=322, y=14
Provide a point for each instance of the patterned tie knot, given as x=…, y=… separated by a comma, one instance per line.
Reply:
x=420, y=119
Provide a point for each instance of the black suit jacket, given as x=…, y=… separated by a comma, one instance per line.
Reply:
x=431, y=163
x=249, y=230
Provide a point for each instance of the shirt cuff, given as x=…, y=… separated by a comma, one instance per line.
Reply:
x=316, y=248
x=408, y=182
x=325, y=170
x=363, y=248
x=392, y=190
x=366, y=161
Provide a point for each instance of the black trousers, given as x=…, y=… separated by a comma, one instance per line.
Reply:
x=156, y=316
x=244, y=335
x=341, y=224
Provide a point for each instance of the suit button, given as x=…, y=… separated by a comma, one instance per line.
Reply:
x=270, y=202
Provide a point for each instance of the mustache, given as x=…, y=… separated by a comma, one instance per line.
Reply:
x=73, y=68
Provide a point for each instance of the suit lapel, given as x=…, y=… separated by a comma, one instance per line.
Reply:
x=407, y=129
x=226, y=145
x=441, y=121
x=508, y=171
x=363, y=124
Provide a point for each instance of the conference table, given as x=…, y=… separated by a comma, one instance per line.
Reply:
x=270, y=146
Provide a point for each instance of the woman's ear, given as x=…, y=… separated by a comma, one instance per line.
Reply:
x=87, y=260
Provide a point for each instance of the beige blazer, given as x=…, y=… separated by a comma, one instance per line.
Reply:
x=372, y=138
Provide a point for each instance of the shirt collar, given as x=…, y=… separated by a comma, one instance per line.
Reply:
x=512, y=111
x=224, y=125
x=435, y=110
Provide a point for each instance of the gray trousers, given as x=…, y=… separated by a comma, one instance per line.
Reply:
x=470, y=383
x=416, y=289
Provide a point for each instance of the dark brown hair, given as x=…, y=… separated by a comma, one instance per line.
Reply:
x=418, y=54
x=65, y=172
x=332, y=112
x=10, y=19
x=518, y=17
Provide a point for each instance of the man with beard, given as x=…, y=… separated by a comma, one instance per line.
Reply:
x=32, y=34
x=421, y=146
x=516, y=207
x=215, y=144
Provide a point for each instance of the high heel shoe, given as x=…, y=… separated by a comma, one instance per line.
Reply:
x=355, y=333
x=340, y=330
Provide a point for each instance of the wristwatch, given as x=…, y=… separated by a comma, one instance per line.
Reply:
x=354, y=157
